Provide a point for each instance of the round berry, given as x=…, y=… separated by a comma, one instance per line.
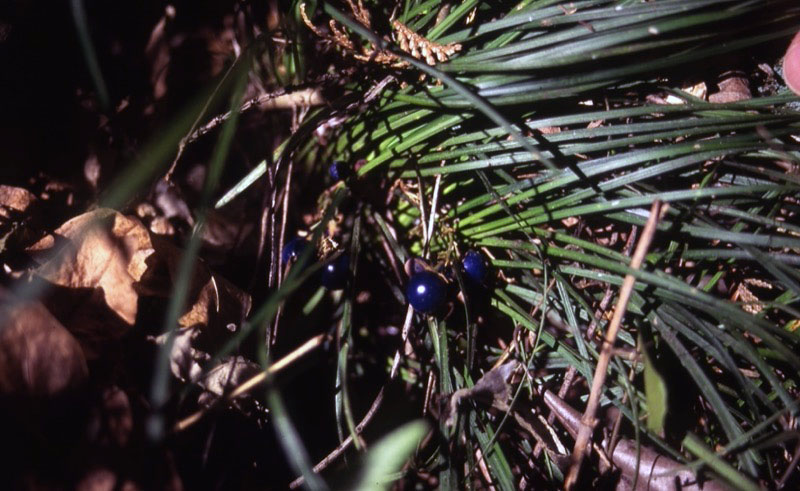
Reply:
x=339, y=170
x=336, y=273
x=426, y=292
x=293, y=249
x=475, y=267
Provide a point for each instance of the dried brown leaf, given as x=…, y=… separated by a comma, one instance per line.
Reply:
x=13, y=198
x=213, y=301
x=38, y=356
x=655, y=471
x=732, y=89
x=99, y=258
x=491, y=389
x=104, y=250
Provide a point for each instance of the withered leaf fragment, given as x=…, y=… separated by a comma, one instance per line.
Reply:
x=656, y=472
x=491, y=389
x=38, y=357
x=96, y=258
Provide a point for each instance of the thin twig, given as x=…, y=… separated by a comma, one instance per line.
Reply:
x=599, y=313
x=570, y=376
x=260, y=378
x=346, y=443
x=273, y=336
x=792, y=467
x=422, y=215
x=392, y=261
x=484, y=469
x=184, y=140
x=403, y=339
x=429, y=392
x=588, y=421
x=432, y=217
x=614, y=439
x=279, y=99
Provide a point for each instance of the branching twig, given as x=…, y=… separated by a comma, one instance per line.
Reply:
x=280, y=99
x=588, y=421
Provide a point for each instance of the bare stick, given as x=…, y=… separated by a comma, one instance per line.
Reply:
x=432, y=217
x=588, y=421
x=279, y=99
x=612, y=442
x=273, y=336
x=252, y=382
x=404, y=340
x=484, y=469
x=346, y=443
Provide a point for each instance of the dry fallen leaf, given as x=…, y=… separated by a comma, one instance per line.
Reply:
x=13, y=198
x=215, y=309
x=101, y=263
x=184, y=359
x=224, y=378
x=491, y=389
x=38, y=356
x=656, y=472
x=212, y=301
x=16, y=206
x=103, y=255
x=732, y=89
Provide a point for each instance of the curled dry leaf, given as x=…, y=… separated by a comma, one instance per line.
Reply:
x=491, y=389
x=215, y=309
x=184, y=359
x=224, y=378
x=229, y=374
x=213, y=302
x=104, y=254
x=657, y=472
x=732, y=89
x=16, y=205
x=13, y=199
x=38, y=356
x=219, y=303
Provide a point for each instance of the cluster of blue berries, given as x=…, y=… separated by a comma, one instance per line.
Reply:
x=427, y=290
x=335, y=274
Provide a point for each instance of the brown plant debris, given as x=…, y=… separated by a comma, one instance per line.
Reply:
x=38, y=356
x=409, y=41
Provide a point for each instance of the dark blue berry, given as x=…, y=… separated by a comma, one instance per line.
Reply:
x=339, y=170
x=336, y=273
x=475, y=267
x=426, y=292
x=293, y=249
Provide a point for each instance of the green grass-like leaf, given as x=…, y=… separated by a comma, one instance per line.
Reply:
x=388, y=455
